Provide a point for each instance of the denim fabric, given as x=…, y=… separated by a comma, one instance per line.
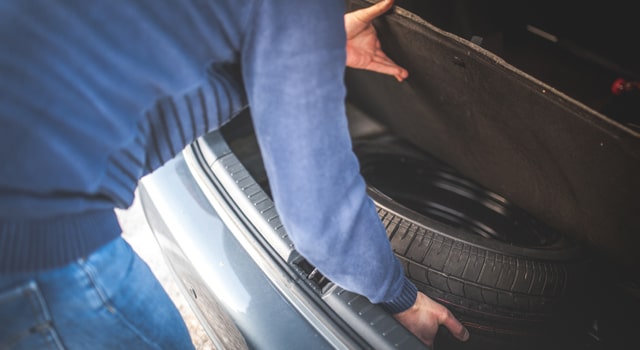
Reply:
x=111, y=300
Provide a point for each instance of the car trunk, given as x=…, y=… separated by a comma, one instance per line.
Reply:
x=534, y=121
x=531, y=119
x=502, y=103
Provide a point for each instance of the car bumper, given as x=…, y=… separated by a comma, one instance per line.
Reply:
x=234, y=263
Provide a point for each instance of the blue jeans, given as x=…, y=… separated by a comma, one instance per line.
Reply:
x=110, y=300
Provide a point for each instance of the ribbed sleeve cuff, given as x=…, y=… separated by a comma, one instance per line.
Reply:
x=405, y=300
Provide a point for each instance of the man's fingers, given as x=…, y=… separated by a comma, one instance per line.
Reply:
x=399, y=72
x=363, y=47
x=455, y=327
x=368, y=14
x=389, y=69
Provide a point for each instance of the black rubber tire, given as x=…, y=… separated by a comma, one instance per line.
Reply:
x=509, y=295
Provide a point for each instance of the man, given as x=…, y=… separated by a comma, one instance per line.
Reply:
x=96, y=94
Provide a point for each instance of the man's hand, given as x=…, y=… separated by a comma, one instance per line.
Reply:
x=424, y=317
x=363, y=47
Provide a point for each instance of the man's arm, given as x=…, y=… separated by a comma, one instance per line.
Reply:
x=293, y=65
x=364, y=51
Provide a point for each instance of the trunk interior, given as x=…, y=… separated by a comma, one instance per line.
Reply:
x=515, y=97
x=533, y=120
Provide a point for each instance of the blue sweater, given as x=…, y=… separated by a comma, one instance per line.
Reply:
x=96, y=94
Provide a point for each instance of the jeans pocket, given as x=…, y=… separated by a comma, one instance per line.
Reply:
x=25, y=322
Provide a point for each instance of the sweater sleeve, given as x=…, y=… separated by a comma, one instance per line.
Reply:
x=293, y=61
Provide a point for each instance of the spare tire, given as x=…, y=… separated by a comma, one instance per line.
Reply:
x=513, y=281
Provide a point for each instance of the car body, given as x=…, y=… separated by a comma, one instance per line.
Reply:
x=212, y=214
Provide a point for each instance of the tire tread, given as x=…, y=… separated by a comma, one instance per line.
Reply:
x=471, y=273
